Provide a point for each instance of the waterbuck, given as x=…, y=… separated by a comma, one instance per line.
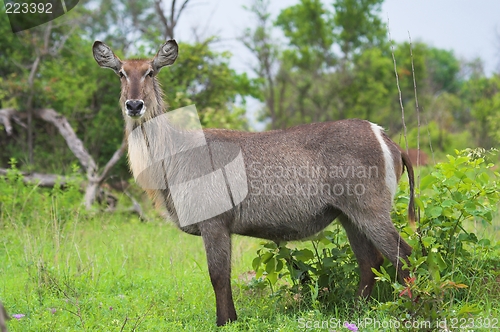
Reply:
x=291, y=184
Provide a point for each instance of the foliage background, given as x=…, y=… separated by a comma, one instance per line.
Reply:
x=335, y=62
x=102, y=271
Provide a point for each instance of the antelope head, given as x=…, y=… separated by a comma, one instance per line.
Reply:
x=141, y=95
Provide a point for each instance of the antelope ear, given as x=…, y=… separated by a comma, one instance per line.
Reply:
x=166, y=55
x=105, y=56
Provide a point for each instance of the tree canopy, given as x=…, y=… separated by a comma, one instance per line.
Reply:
x=337, y=62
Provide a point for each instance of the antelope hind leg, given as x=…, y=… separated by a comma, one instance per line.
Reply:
x=389, y=242
x=367, y=255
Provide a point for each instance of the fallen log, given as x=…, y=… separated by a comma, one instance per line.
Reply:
x=42, y=180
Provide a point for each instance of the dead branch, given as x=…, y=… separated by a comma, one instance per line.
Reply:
x=179, y=12
x=114, y=159
x=163, y=19
x=5, y=116
x=58, y=45
x=170, y=22
x=136, y=207
x=42, y=180
x=8, y=114
x=69, y=135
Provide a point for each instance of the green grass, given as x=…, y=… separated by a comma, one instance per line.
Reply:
x=107, y=272
x=114, y=273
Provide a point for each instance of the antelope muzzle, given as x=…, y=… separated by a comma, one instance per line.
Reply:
x=135, y=108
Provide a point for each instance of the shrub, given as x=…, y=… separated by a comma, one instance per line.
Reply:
x=448, y=257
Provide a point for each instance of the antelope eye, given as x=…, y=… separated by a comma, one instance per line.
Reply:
x=121, y=74
x=150, y=74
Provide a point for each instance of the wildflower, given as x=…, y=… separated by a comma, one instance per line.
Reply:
x=410, y=280
x=18, y=316
x=351, y=327
x=407, y=290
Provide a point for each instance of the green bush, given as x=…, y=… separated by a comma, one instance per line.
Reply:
x=323, y=272
x=450, y=264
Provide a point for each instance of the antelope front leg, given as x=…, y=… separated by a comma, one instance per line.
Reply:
x=217, y=240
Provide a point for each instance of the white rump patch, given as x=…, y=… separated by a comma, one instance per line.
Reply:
x=390, y=174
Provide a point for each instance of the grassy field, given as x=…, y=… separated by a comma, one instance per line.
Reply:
x=66, y=269
x=112, y=273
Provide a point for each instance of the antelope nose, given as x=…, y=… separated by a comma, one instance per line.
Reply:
x=135, y=107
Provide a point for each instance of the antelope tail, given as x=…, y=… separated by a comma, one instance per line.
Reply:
x=411, y=179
